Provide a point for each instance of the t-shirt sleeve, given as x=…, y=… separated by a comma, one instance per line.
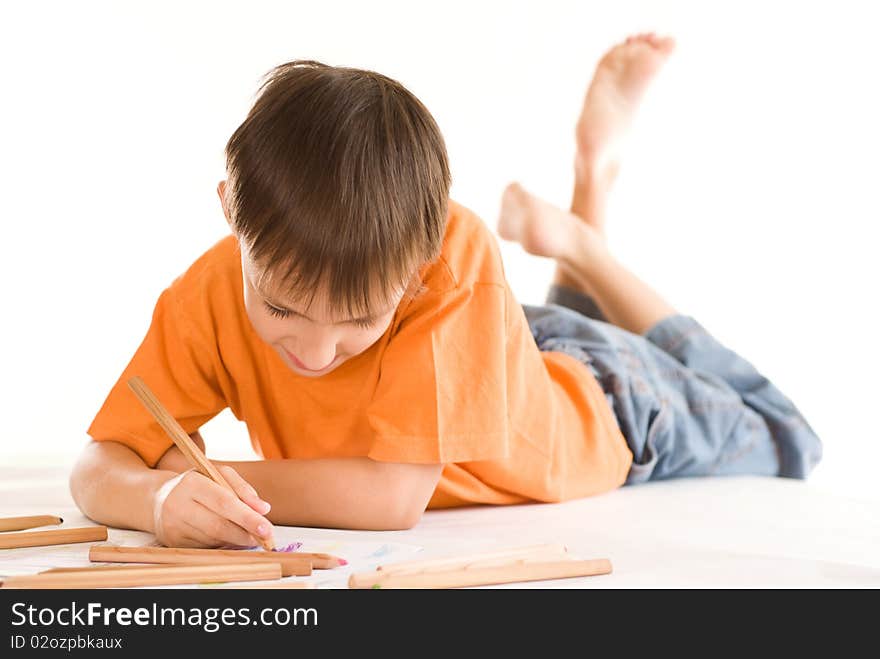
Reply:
x=441, y=395
x=178, y=369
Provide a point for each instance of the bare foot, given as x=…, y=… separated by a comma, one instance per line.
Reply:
x=611, y=102
x=543, y=229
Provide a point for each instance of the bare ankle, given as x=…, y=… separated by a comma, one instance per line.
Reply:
x=590, y=194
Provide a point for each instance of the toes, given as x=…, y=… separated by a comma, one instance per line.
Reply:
x=511, y=217
x=514, y=197
x=666, y=44
x=514, y=191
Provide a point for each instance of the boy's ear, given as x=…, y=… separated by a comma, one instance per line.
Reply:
x=221, y=192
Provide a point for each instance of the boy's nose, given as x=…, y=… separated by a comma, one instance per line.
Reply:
x=314, y=357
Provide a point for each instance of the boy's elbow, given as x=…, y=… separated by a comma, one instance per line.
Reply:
x=398, y=520
x=98, y=465
x=409, y=518
x=411, y=496
x=398, y=510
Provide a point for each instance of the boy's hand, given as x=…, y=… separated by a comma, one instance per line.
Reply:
x=190, y=510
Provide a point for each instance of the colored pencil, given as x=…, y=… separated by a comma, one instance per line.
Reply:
x=292, y=564
x=482, y=576
x=104, y=568
x=22, y=523
x=183, y=441
x=53, y=537
x=483, y=559
x=129, y=577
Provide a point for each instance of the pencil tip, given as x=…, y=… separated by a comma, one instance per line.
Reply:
x=61, y=520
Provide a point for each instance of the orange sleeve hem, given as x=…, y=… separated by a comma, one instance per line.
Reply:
x=150, y=452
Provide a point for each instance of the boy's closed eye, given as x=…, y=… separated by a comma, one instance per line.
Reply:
x=365, y=323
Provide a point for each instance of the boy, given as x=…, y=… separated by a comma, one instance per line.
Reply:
x=359, y=322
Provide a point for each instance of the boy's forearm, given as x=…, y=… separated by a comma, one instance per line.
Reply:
x=113, y=486
x=352, y=493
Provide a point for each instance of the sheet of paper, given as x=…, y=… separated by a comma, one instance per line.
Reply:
x=362, y=555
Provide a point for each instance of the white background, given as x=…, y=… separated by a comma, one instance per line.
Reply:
x=748, y=196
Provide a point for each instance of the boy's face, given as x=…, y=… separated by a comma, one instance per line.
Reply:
x=312, y=341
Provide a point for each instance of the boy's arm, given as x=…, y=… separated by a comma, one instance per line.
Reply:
x=112, y=485
x=350, y=493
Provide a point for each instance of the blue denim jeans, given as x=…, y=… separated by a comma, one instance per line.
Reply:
x=687, y=405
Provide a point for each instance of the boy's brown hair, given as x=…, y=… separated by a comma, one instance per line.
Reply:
x=338, y=180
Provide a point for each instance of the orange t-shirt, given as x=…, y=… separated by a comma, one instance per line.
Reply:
x=456, y=378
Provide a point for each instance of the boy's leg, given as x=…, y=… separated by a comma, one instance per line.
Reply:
x=609, y=107
x=571, y=298
x=610, y=104
x=686, y=404
x=713, y=398
x=544, y=230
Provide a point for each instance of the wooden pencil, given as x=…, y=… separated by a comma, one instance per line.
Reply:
x=129, y=576
x=183, y=441
x=151, y=554
x=31, y=522
x=106, y=568
x=482, y=576
x=292, y=564
x=547, y=552
x=53, y=537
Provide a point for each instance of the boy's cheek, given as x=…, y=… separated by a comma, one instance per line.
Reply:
x=263, y=327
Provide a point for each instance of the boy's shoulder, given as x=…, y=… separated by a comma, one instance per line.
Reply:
x=218, y=269
x=470, y=252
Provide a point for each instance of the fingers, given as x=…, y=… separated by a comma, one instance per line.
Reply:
x=245, y=490
x=228, y=506
x=206, y=528
x=248, y=494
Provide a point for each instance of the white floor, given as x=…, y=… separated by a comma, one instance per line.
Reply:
x=730, y=532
